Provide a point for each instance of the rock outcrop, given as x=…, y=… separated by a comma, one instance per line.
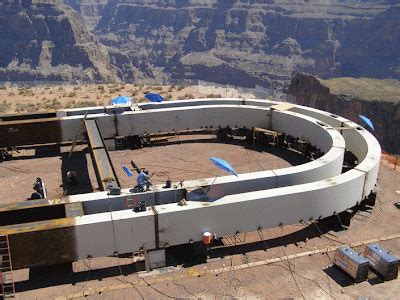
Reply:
x=256, y=42
x=47, y=40
x=244, y=42
x=383, y=111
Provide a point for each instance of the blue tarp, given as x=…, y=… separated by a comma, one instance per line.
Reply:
x=154, y=97
x=121, y=100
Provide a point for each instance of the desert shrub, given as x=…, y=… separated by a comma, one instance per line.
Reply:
x=11, y=94
x=214, y=96
x=76, y=88
x=25, y=92
x=189, y=96
x=19, y=107
x=72, y=94
x=84, y=103
x=53, y=104
x=2, y=87
x=29, y=107
x=180, y=87
x=168, y=97
x=112, y=85
x=4, y=106
x=157, y=88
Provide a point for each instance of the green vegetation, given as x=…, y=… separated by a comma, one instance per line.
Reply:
x=365, y=88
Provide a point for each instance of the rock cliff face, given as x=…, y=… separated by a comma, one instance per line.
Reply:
x=47, y=40
x=385, y=115
x=90, y=10
x=243, y=42
x=256, y=42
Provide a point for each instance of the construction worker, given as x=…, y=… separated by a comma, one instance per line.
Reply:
x=40, y=189
x=143, y=180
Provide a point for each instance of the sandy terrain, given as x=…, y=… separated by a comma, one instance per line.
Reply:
x=184, y=158
x=187, y=158
x=42, y=97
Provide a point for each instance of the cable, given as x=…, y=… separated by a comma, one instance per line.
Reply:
x=309, y=279
x=183, y=286
x=118, y=279
x=117, y=255
x=329, y=239
x=289, y=266
x=341, y=224
x=115, y=247
x=302, y=276
x=158, y=291
x=89, y=269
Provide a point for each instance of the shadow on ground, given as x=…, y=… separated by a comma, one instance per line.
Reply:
x=78, y=163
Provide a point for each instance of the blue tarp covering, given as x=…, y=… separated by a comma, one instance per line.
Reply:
x=154, y=97
x=121, y=100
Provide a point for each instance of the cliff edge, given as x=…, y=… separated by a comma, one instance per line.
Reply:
x=376, y=99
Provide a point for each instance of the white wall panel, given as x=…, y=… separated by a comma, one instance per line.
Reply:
x=95, y=233
x=245, y=212
x=302, y=127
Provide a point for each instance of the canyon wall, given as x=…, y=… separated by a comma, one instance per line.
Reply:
x=239, y=42
x=383, y=112
x=47, y=40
